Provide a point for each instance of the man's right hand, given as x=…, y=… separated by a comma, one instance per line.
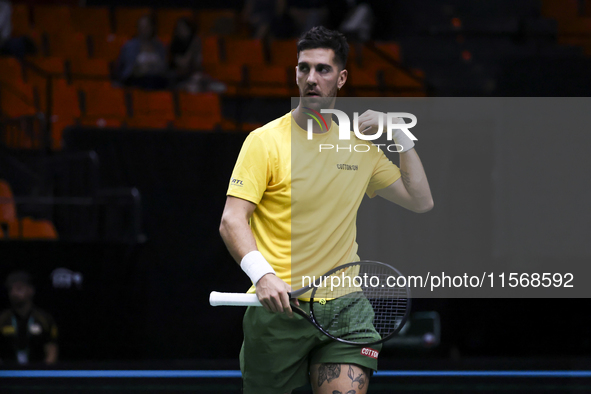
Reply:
x=272, y=293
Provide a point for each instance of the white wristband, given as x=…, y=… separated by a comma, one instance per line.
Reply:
x=255, y=266
x=400, y=138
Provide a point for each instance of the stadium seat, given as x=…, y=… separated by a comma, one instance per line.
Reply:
x=107, y=47
x=267, y=81
x=21, y=22
x=103, y=103
x=126, y=19
x=284, y=53
x=90, y=67
x=560, y=9
x=362, y=77
x=93, y=21
x=37, y=229
x=400, y=79
x=11, y=70
x=51, y=64
x=52, y=18
x=7, y=206
x=166, y=20
x=152, y=104
x=17, y=100
x=230, y=74
x=241, y=51
x=198, y=111
x=65, y=110
x=216, y=21
x=68, y=45
x=211, y=50
x=390, y=48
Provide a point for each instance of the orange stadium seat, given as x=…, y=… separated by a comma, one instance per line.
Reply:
x=155, y=105
x=268, y=81
x=52, y=18
x=68, y=45
x=216, y=21
x=52, y=64
x=104, y=104
x=94, y=21
x=37, y=229
x=560, y=9
x=243, y=51
x=211, y=50
x=7, y=206
x=398, y=78
x=107, y=47
x=11, y=70
x=126, y=19
x=390, y=48
x=21, y=22
x=362, y=77
x=166, y=20
x=90, y=67
x=17, y=100
x=65, y=110
x=230, y=74
x=284, y=53
x=199, y=111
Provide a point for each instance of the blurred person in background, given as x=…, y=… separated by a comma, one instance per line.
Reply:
x=12, y=46
x=28, y=334
x=186, y=58
x=142, y=60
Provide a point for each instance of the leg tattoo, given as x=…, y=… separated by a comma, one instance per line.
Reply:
x=328, y=372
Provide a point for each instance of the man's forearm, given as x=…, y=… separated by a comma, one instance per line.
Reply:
x=237, y=236
x=415, y=180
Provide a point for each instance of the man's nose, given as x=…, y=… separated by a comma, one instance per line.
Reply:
x=312, y=77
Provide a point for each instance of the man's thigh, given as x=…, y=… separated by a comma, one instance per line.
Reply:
x=275, y=353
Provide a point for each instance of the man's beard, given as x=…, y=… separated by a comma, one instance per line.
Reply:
x=319, y=102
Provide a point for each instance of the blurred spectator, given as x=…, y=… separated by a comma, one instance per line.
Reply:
x=269, y=18
x=359, y=21
x=142, y=61
x=29, y=335
x=12, y=46
x=186, y=57
x=308, y=13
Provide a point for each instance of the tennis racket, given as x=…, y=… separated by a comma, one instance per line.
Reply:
x=359, y=303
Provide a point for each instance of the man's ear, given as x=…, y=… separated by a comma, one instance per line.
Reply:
x=342, y=78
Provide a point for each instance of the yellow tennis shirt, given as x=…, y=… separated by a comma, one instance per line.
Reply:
x=307, y=199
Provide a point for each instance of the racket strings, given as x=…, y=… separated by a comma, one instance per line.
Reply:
x=373, y=309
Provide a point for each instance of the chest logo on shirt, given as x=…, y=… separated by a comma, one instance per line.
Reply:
x=347, y=167
x=236, y=182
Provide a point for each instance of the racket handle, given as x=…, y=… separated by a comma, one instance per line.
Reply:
x=233, y=299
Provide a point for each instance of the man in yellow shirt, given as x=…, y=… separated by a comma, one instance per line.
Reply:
x=291, y=211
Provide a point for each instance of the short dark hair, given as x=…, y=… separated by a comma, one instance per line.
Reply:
x=321, y=37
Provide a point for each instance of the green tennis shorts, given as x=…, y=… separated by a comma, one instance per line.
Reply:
x=277, y=351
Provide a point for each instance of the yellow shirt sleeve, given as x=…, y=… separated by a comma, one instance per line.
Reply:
x=252, y=171
x=384, y=174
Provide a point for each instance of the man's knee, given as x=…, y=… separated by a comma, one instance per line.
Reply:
x=328, y=378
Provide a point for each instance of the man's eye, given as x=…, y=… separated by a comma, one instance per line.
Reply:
x=303, y=68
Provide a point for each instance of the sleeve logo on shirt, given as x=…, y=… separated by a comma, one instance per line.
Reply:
x=369, y=352
x=236, y=182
